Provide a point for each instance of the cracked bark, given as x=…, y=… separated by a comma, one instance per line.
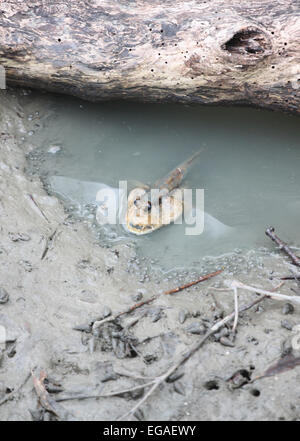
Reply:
x=189, y=51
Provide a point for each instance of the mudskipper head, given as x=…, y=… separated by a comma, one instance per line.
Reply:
x=146, y=214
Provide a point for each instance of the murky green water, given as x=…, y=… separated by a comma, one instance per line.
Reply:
x=250, y=168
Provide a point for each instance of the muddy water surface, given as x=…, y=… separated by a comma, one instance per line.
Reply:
x=249, y=169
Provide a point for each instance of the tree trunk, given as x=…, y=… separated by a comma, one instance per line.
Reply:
x=189, y=51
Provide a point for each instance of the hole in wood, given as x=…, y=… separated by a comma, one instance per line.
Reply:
x=247, y=41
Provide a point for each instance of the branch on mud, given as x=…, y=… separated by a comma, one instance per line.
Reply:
x=154, y=384
x=282, y=245
x=234, y=284
x=159, y=380
x=98, y=323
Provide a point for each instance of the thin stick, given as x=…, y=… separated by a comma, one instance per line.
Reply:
x=111, y=318
x=38, y=207
x=110, y=394
x=282, y=245
x=236, y=310
x=296, y=278
x=48, y=242
x=201, y=279
x=272, y=295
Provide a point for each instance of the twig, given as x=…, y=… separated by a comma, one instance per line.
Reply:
x=296, y=278
x=125, y=373
x=42, y=393
x=48, y=242
x=282, y=245
x=38, y=207
x=111, y=318
x=275, y=296
x=109, y=394
x=201, y=279
x=236, y=310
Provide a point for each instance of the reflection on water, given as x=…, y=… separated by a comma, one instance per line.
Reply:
x=249, y=168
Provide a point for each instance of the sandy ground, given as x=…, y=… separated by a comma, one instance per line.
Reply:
x=78, y=282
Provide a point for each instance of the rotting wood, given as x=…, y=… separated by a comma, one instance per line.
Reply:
x=189, y=51
x=270, y=232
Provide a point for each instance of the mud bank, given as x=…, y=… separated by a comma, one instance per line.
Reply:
x=58, y=277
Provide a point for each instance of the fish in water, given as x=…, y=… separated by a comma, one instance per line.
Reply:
x=144, y=214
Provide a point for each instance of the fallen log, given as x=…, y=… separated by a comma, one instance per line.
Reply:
x=189, y=51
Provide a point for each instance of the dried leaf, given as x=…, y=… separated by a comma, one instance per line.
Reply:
x=45, y=399
x=284, y=364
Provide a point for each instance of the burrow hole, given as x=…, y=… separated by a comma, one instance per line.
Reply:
x=211, y=385
x=255, y=392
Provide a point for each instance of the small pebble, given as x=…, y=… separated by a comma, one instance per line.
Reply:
x=4, y=297
x=135, y=394
x=287, y=325
x=223, y=333
x=196, y=328
x=156, y=316
x=178, y=387
x=109, y=376
x=175, y=376
x=150, y=358
x=225, y=341
x=287, y=308
x=54, y=389
x=286, y=348
x=11, y=349
x=182, y=316
x=139, y=415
